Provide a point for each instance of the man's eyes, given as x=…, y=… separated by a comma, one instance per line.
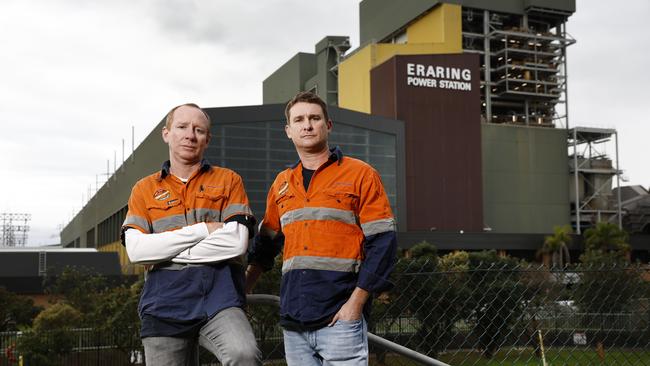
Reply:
x=198, y=130
x=314, y=117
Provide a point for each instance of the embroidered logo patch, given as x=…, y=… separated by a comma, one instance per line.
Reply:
x=161, y=194
x=283, y=189
x=172, y=202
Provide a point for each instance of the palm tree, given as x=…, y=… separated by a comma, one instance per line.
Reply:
x=557, y=245
x=607, y=237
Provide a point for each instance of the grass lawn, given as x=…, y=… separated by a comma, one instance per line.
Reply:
x=520, y=357
x=578, y=357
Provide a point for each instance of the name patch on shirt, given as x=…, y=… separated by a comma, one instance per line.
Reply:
x=283, y=189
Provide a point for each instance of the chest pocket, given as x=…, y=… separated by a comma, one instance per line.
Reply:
x=344, y=199
x=286, y=203
x=209, y=204
x=166, y=215
x=159, y=207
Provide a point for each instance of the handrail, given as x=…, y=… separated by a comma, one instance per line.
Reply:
x=375, y=339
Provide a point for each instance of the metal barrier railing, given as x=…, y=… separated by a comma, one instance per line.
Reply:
x=372, y=338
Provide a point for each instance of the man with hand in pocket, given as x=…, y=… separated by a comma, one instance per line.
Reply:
x=189, y=223
x=331, y=215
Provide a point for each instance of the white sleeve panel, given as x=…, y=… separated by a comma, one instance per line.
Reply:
x=227, y=242
x=154, y=248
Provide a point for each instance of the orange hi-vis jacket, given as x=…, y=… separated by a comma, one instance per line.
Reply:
x=175, y=301
x=337, y=235
x=161, y=202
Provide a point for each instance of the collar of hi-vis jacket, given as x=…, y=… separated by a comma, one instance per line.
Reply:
x=335, y=155
x=164, y=171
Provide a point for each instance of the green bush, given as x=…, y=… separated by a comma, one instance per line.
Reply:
x=481, y=289
x=50, y=338
x=15, y=311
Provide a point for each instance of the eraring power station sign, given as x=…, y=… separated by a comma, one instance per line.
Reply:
x=439, y=98
x=443, y=77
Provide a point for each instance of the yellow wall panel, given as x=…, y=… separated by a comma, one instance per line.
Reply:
x=443, y=24
x=354, y=80
x=437, y=32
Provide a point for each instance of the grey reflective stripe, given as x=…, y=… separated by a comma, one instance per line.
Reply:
x=318, y=213
x=321, y=263
x=203, y=215
x=139, y=221
x=265, y=231
x=236, y=208
x=378, y=226
x=169, y=223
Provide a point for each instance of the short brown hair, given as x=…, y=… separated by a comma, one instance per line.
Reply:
x=307, y=97
x=170, y=115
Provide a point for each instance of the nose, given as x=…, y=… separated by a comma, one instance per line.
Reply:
x=190, y=134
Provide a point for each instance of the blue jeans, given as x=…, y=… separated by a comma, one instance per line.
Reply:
x=343, y=344
x=228, y=335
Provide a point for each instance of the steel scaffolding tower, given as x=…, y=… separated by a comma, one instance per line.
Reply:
x=523, y=64
x=593, y=171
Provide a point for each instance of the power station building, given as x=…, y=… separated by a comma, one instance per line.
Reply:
x=459, y=104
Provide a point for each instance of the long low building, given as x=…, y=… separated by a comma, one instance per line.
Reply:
x=24, y=270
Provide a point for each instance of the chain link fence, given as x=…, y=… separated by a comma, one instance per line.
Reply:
x=460, y=312
x=512, y=314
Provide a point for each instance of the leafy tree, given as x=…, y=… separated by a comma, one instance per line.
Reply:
x=606, y=236
x=424, y=293
x=417, y=292
x=115, y=314
x=557, y=246
x=481, y=288
x=15, y=311
x=457, y=261
x=607, y=284
x=495, y=298
x=57, y=316
x=82, y=299
x=77, y=287
x=423, y=250
x=50, y=338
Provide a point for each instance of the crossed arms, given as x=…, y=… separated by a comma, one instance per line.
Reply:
x=198, y=243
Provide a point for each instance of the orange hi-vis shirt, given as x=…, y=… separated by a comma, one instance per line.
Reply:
x=162, y=202
x=177, y=301
x=338, y=234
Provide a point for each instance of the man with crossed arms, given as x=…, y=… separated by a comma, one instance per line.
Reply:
x=188, y=222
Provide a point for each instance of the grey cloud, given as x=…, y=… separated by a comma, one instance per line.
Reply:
x=263, y=26
x=195, y=21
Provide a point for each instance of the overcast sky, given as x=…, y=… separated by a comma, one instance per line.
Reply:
x=76, y=75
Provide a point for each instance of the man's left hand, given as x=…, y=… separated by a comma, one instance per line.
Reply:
x=352, y=308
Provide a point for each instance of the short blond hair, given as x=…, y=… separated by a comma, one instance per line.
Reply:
x=170, y=115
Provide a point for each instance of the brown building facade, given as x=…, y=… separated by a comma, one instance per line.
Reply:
x=439, y=98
